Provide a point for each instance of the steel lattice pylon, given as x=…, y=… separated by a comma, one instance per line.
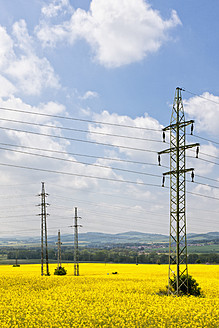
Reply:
x=76, y=250
x=178, y=271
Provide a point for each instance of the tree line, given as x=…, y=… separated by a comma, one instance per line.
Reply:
x=115, y=255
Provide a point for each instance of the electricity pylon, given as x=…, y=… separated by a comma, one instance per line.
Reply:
x=178, y=270
x=59, y=262
x=76, y=251
x=44, y=215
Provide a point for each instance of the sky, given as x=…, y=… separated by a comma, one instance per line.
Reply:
x=86, y=88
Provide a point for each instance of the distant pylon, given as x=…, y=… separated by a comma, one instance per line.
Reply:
x=59, y=262
x=76, y=250
x=178, y=270
x=44, y=215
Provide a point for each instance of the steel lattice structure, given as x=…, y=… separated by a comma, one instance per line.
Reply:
x=44, y=215
x=76, y=250
x=59, y=261
x=178, y=271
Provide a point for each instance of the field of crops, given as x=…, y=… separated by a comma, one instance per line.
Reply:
x=98, y=298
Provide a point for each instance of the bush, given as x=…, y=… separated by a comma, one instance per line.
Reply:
x=193, y=287
x=60, y=271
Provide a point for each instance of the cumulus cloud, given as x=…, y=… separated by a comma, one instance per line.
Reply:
x=119, y=32
x=137, y=138
x=90, y=94
x=6, y=48
x=201, y=166
x=20, y=67
x=25, y=139
x=56, y=7
x=7, y=88
x=205, y=113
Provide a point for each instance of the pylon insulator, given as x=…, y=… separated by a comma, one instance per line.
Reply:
x=192, y=127
x=159, y=160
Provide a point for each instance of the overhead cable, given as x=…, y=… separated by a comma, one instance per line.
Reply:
x=78, y=119
x=78, y=130
x=79, y=140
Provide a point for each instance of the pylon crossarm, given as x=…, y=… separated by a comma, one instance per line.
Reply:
x=180, y=125
x=173, y=149
x=179, y=171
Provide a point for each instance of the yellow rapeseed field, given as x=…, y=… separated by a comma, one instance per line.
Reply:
x=97, y=298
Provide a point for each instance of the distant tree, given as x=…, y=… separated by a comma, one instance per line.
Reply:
x=192, y=258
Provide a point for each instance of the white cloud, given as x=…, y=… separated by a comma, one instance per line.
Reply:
x=147, y=123
x=56, y=7
x=32, y=74
x=23, y=41
x=7, y=88
x=6, y=48
x=90, y=94
x=204, y=112
x=201, y=166
x=119, y=32
x=24, y=70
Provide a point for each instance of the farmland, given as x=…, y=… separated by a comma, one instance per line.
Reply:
x=98, y=298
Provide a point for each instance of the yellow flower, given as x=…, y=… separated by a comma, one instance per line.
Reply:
x=97, y=298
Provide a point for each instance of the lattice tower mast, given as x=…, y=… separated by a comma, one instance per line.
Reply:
x=59, y=262
x=76, y=250
x=44, y=215
x=178, y=270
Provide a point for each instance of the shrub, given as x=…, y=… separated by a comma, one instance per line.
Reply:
x=60, y=271
x=193, y=287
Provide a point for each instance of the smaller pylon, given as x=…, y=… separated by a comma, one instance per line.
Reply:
x=76, y=250
x=44, y=215
x=59, y=262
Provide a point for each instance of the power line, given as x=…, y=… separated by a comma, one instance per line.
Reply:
x=201, y=153
x=205, y=196
x=77, y=119
x=78, y=175
x=205, y=160
x=95, y=177
x=79, y=140
x=97, y=165
x=112, y=216
x=202, y=138
x=201, y=176
x=107, y=167
x=195, y=94
x=81, y=155
x=205, y=184
x=78, y=130
x=115, y=206
x=80, y=163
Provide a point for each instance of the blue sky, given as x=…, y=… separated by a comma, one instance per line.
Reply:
x=116, y=62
